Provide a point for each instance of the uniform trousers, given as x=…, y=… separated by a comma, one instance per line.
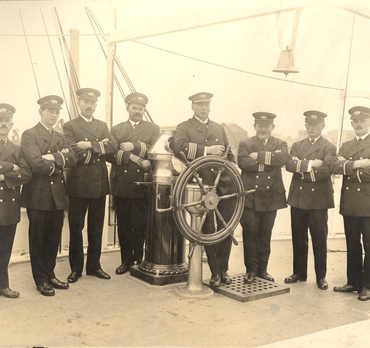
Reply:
x=45, y=230
x=358, y=268
x=218, y=254
x=132, y=222
x=317, y=221
x=7, y=234
x=257, y=230
x=95, y=208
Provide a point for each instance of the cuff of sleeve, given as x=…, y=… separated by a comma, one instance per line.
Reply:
x=52, y=167
x=88, y=157
x=119, y=157
x=192, y=151
x=102, y=148
x=142, y=150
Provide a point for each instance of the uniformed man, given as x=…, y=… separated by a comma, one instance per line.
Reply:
x=310, y=196
x=200, y=136
x=45, y=195
x=260, y=158
x=87, y=184
x=14, y=171
x=353, y=162
x=134, y=138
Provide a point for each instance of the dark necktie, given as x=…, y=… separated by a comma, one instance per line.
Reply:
x=264, y=142
x=359, y=140
x=134, y=125
x=312, y=141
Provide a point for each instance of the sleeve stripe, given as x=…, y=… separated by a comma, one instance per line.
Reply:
x=102, y=148
x=344, y=167
x=312, y=174
x=88, y=157
x=119, y=157
x=142, y=150
x=268, y=158
x=298, y=170
x=192, y=150
x=358, y=175
x=53, y=170
x=64, y=160
x=261, y=167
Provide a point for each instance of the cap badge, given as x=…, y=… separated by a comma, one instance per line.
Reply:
x=202, y=95
x=314, y=117
x=53, y=101
x=3, y=110
x=357, y=113
x=140, y=98
x=263, y=117
x=90, y=94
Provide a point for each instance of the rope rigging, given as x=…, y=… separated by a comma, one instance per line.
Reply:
x=93, y=22
x=55, y=63
x=29, y=52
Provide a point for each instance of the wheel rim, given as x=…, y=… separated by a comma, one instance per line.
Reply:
x=211, y=196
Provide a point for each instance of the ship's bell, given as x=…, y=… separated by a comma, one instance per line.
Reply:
x=286, y=63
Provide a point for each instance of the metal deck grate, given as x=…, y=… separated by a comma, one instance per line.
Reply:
x=242, y=292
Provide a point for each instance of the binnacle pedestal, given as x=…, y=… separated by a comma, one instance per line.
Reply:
x=194, y=287
x=164, y=259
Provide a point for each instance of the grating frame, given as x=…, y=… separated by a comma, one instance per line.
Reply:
x=243, y=292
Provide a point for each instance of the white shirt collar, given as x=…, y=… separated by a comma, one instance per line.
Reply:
x=132, y=122
x=314, y=140
x=204, y=122
x=88, y=120
x=265, y=140
x=363, y=136
x=48, y=129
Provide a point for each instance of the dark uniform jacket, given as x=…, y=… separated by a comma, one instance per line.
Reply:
x=89, y=178
x=311, y=189
x=263, y=174
x=46, y=190
x=124, y=172
x=10, y=188
x=191, y=138
x=355, y=194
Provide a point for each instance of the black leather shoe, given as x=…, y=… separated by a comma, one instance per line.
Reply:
x=364, y=294
x=57, y=284
x=46, y=289
x=99, y=273
x=73, y=277
x=215, y=280
x=346, y=288
x=225, y=278
x=294, y=278
x=125, y=267
x=266, y=276
x=249, y=278
x=9, y=293
x=322, y=284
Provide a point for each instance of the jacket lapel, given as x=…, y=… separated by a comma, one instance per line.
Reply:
x=258, y=145
x=54, y=139
x=311, y=148
x=354, y=147
x=135, y=131
x=198, y=126
x=45, y=134
x=91, y=128
x=9, y=150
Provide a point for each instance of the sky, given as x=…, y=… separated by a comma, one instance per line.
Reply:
x=234, y=61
